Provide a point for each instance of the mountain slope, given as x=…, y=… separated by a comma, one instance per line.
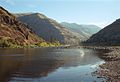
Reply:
x=84, y=30
x=49, y=29
x=110, y=35
x=13, y=31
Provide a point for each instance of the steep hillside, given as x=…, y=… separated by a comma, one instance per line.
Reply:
x=84, y=30
x=49, y=29
x=14, y=32
x=110, y=35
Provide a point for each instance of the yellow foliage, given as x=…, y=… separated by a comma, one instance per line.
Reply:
x=48, y=44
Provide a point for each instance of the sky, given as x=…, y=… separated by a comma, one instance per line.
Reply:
x=98, y=12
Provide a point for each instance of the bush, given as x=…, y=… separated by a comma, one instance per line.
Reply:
x=4, y=43
x=48, y=44
x=7, y=42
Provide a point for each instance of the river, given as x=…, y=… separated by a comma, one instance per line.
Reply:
x=48, y=65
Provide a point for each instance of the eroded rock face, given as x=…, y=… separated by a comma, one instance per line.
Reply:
x=14, y=30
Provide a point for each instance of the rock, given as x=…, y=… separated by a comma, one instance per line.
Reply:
x=14, y=31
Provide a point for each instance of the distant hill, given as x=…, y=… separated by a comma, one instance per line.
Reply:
x=49, y=29
x=84, y=30
x=110, y=35
x=15, y=32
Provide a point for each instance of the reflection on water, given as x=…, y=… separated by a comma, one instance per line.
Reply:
x=48, y=65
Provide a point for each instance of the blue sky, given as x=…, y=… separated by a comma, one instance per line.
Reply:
x=98, y=12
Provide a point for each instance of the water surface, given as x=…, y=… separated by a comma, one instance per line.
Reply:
x=48, y=65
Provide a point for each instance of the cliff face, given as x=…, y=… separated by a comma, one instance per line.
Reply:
x=110, y=35
x=14, y=31
x=49, y=29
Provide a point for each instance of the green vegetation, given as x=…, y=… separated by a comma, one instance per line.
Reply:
x=48, y=44
x=8, y=42
x=4, y=43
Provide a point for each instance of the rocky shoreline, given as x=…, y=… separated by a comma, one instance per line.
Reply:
x=110, y=70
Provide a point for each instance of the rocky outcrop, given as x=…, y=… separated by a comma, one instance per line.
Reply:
x=14, y=31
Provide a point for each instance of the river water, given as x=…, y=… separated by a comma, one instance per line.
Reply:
x=48, y=65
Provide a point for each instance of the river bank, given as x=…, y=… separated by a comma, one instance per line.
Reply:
x=110, y=70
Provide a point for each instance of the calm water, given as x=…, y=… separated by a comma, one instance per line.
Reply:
x=48, y=65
